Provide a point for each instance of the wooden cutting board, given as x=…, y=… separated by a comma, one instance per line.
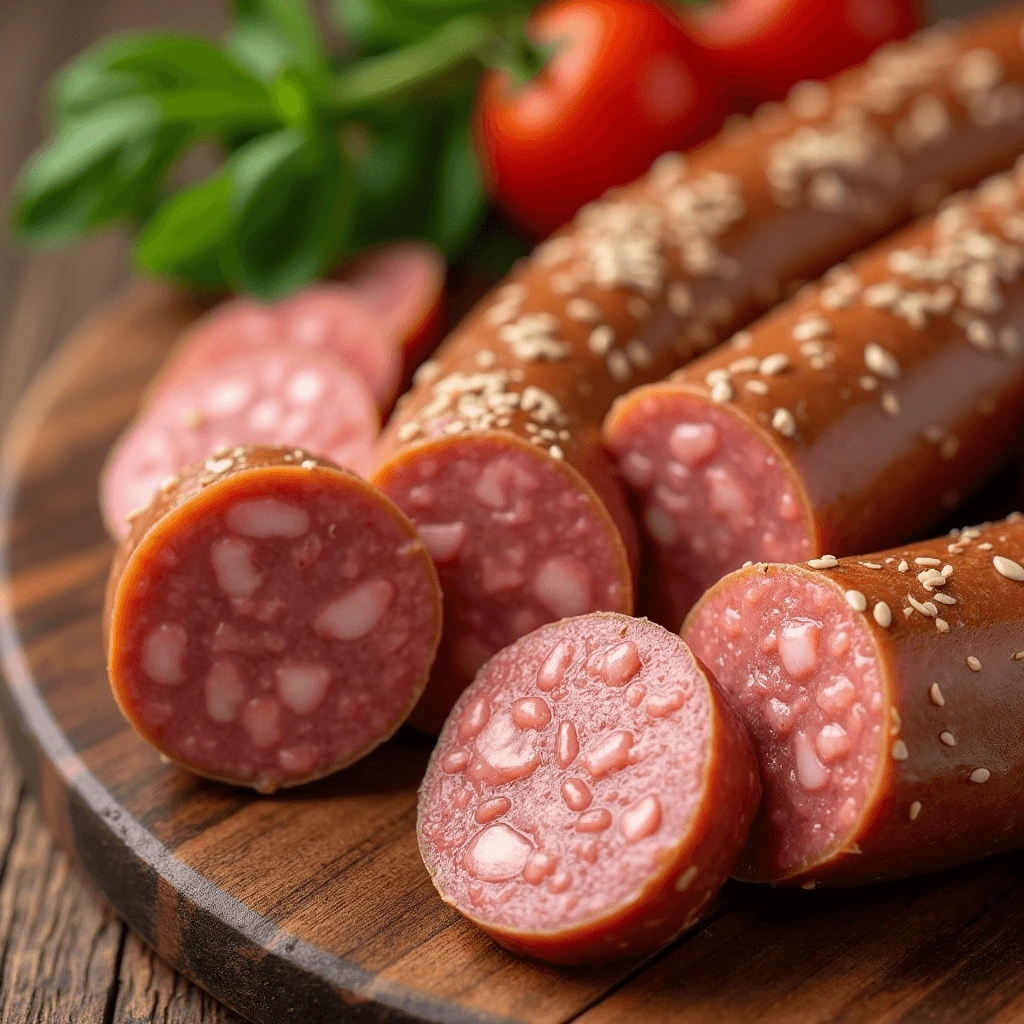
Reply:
x=313, y=906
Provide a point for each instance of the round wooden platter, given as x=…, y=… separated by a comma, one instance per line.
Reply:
x=313, y=905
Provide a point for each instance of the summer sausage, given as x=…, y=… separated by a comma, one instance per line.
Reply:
x=495, y=450
x=270, y=618
x=883, y=696
x=590, y=792
x=850, y=419
x=285, y=397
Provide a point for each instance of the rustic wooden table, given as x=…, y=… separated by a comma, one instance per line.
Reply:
x=64, y=956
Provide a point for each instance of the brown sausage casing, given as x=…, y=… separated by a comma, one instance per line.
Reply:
x=641, y=282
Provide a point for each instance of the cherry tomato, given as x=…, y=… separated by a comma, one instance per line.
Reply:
x=765, y=46
x=625, y=84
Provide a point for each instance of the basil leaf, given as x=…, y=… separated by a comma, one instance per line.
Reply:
x=273, y=33
x=180, y=240
x=393, y=177
x=460, y=203
x=64, y=189
x=145, y=63
x=289, y=213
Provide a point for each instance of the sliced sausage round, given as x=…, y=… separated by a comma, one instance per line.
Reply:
x=883, y=696
x=270, y=618
x=325, y=317
x=590, y=792
x=285, y=397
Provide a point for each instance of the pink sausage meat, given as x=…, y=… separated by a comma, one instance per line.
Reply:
x=271, y=619
x=286, y=397
x=590, y=792
x=327, y=317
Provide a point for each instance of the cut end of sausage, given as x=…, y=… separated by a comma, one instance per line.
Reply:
x=589, y=794
x=274, y=625
x=800, y=665
x=518, y=540
x=712, y=494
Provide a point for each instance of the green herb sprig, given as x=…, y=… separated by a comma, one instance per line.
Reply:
x=320, y=156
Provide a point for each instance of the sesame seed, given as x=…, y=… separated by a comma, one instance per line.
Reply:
x=915, y=810
x=947, y=571
x=927, y=608
x=619, y=368
x=784, y=422
x=871, y=565
x=748, y=364
x=944, y=598
x=825, y=562
x=601, y=340
x=774, y=364
x=899, y=751
x=856, y=600
x=1018, y=656
x=882, y=614
x=881, y=361
x=931, y=578
x=721, y=391
x=742, y=340
x=1010, y=569
x=868, y=383
x=973, y=664
x=555, y=452
x=680, y=299
x=902, y=567
x=756, y=387
x=947, y=738
x=639, y=354
x=980, y=775
x=935, y=695
x=584, y=311
x=927, y=561
x=812, y=327
x=942, y=625
x=890, y=404
x=985, y=547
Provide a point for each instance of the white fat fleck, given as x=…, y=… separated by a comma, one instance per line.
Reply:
x=162, y=653
x=563, y=586
x=356, y=612
x=302, y=686
x=232, y=561
x=267, y=517
x=224, y=691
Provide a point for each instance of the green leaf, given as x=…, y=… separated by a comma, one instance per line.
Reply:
x=460, y=203
x=289, y=213
x=64, y=189
x=393, y=76
x=378, y=25
x=148, y=62
x=271, y=34
x=180, y=241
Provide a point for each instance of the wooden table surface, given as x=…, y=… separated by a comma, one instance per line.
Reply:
x=64, y=956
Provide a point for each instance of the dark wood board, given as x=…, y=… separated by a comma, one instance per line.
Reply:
x=313, y=905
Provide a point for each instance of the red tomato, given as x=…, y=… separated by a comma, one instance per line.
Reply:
x=765, y=46
x=625, y=84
